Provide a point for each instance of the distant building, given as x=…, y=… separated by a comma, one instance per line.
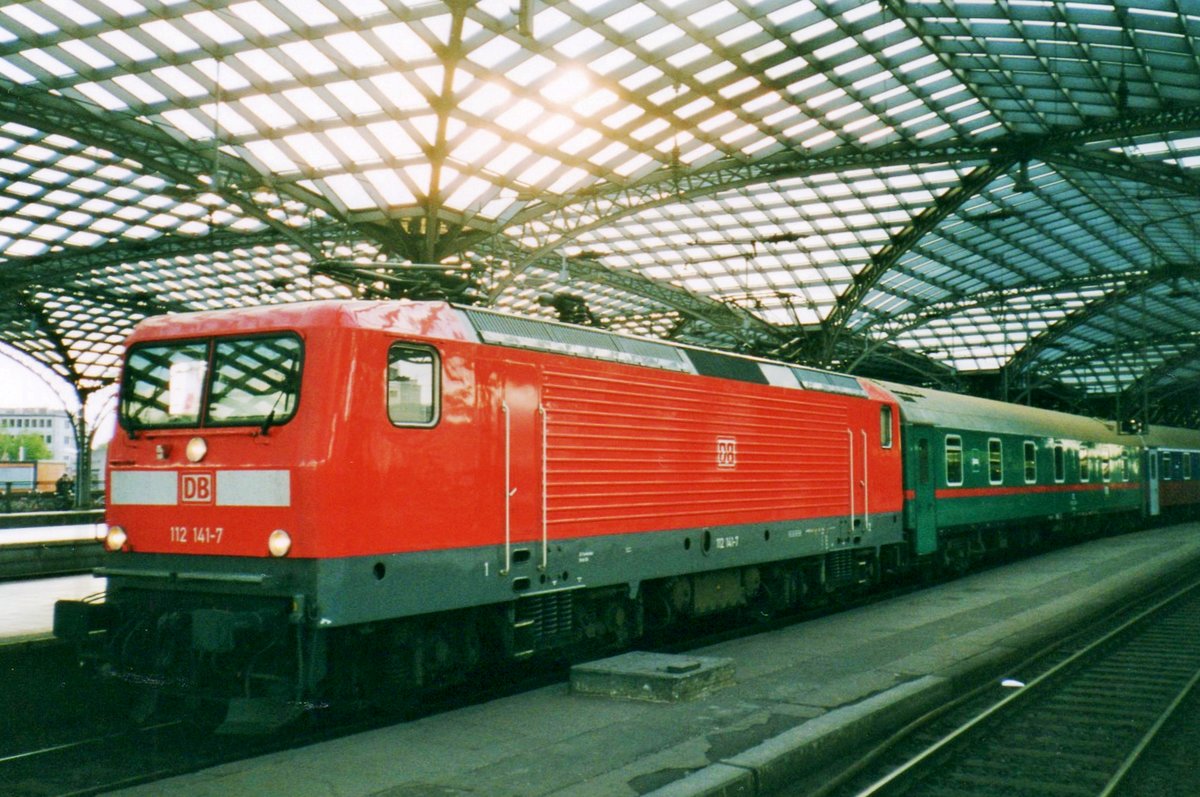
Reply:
x=99, y=467
x=54, y=426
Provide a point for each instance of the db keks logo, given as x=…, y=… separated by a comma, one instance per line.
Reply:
x=727, y=452
x=197, y=487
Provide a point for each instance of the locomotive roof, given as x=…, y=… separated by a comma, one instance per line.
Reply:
x=445, y=321
x=954, y=411
x=528, y=333
x=429, y=319
x=450, y=322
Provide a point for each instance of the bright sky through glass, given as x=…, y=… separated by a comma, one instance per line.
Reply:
x=696, y=163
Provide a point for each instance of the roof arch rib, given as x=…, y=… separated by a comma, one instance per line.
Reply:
x=1136, y=284
x=964, y=194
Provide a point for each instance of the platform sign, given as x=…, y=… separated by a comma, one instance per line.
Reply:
x=21, y=475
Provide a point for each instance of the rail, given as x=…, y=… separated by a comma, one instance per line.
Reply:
x=1077, y=728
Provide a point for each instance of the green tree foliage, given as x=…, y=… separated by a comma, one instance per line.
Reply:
x=34, y=445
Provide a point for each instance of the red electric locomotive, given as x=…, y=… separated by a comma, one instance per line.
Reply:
x=358, y=498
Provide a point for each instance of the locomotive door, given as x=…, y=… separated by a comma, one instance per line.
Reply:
x=1152, y=502
x=521, y=430
x=922, y=490
x=860, y=482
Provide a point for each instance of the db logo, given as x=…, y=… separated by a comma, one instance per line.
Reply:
x=196, y=488
x=726, y=452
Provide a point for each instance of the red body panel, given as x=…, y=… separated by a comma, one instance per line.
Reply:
x=1174, y=492
x=593, y=447
x=632, y=449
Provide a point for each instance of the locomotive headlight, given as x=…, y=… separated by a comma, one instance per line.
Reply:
x=279, y=543
x=196, y=449
x=115, y=539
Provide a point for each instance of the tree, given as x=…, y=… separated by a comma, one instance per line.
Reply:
x=34, y=446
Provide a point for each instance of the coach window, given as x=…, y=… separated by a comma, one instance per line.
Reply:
x=1195, y=465
x=885, y=426
x=1085, y=472
x=1030, y=462
x=1060, y=465
x=1165, y=470
x=954, y=463
x=412, y=385
x=995, y=461
x=1105, y=466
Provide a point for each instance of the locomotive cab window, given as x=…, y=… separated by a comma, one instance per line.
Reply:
x=954, y=461
x=413, y=385
x=1030, y=462
x=885, y=426
x=225, y=381
x=995, y=461
x=163, y=385
x=255, y=380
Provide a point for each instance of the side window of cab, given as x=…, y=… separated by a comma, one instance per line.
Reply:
x=413, y=385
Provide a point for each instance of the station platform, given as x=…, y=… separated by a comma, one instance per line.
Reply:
x=56, y=549
x=27, y=606
x=798, y=694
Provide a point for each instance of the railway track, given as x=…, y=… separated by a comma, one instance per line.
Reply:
x=129, y=756
x=86, y=766
x=1076, y=728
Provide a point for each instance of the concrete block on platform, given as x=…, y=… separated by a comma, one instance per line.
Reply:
x=656, y=677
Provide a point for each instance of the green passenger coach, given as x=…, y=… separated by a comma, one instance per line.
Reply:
x=984, y=475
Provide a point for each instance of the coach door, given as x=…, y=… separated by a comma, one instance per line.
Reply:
x=1152, y=506
x=921, y=491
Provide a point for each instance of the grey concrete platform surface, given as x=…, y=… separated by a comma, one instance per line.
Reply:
x=27, y=606
x=800, y=694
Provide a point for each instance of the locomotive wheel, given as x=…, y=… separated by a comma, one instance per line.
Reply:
x=618, y=621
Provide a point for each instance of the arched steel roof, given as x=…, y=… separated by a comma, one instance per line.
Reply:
x=925, y=190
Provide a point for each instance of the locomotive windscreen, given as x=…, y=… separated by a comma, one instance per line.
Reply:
x=215, y=382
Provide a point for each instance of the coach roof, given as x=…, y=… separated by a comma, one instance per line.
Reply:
x=954, y=411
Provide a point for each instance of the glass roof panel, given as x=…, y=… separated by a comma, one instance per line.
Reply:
x=751, y=175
